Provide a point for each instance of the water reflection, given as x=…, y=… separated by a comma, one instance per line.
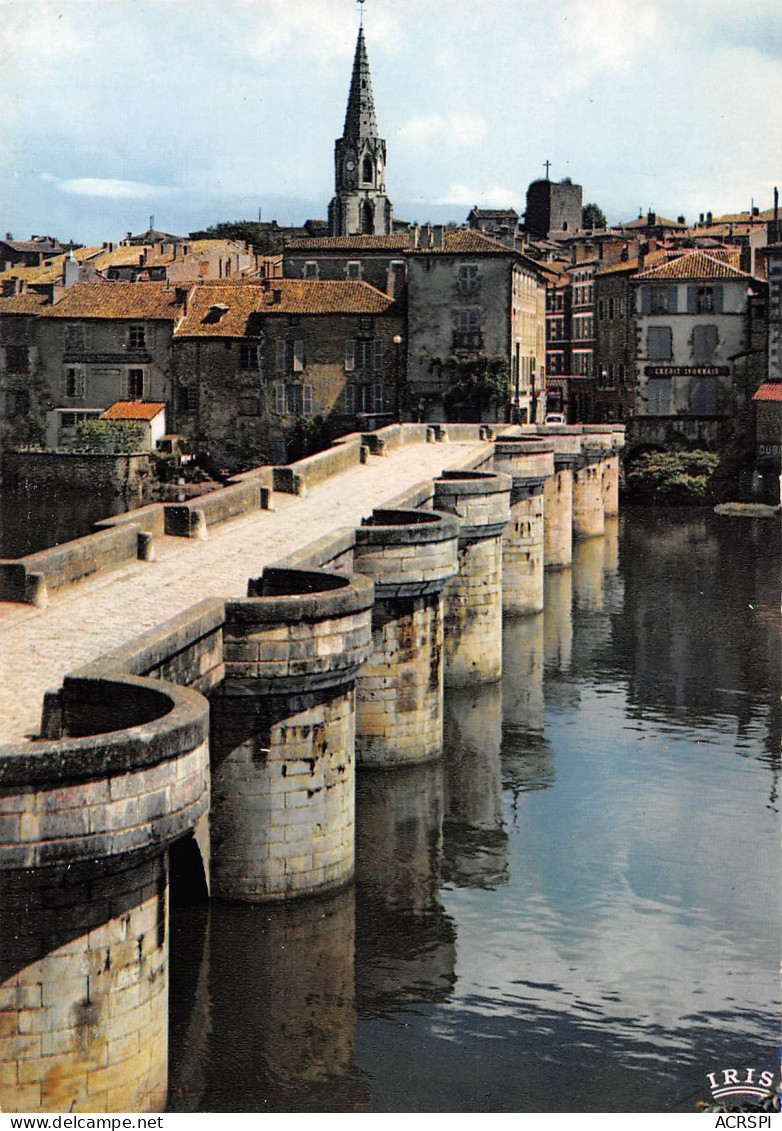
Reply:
x=405, y=944
x=281, y=1006
x=475, y=839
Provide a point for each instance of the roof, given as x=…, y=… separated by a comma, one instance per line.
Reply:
x=694, y=265
x=36, y=245
x=493, y=213
x=117, y=301
x=744, y=217
x=50, y=271
x=454, y=241
x=769, y=391
x=133, y=410
x=618, y=268
x=652, y=222
x=245, y=302
x=28, y=303
x=360, y=121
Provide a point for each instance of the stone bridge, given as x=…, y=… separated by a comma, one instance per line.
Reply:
x=186, y=694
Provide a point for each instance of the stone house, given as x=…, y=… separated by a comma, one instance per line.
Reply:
x=377, y=260
x=252, y=360
x=105, y=342
x=691, y=316
x=494, y=221
x=470, y=295
x=20, y=374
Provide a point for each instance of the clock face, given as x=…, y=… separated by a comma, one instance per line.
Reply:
x=351, y=165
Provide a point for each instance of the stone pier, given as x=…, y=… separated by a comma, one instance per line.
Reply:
x=588, y=513
x=529, y=463
x=283, y=764
x=473, y=597
x=409, y=555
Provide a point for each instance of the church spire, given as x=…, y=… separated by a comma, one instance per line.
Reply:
x=360, y=204
x=360, y=121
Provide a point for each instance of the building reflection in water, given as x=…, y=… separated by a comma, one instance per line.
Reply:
x=281, y=1010
x=527, y=758
x=405, y=943
x=475, y=839
x=83, y=991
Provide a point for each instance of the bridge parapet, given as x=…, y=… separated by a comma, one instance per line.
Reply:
x=131, y=771
x=473, y=597
x=410, y=555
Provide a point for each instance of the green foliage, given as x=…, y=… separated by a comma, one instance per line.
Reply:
x=110, y=436
x=308, y=435
x=264, y=242
x=28, y=431
x=475, y=385
x=592, y=216
x=672, y=477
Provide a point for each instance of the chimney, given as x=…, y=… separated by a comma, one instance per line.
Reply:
x=181, y=297
x=130, y=236
x=426, y=233
x=708, y=219
x=680, y=220
x=276, y=296
x=651, y=218
x=111, y=246
x=414, y=236
x=439, y=236
x=70, y=272
x=701, y=218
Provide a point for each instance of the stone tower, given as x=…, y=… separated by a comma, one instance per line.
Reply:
x=553, y=210
x=360, y=204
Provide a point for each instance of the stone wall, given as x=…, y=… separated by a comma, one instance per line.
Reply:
x=79, y=471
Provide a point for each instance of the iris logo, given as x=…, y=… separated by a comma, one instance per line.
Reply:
x=740, y=1085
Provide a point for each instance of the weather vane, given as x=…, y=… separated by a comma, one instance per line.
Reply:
x=361, y=12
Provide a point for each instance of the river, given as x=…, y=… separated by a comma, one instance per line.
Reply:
x=577, y=909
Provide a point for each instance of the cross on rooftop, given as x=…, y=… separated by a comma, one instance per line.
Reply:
x=546, y=164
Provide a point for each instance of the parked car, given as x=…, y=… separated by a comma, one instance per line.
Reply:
x=555, y=418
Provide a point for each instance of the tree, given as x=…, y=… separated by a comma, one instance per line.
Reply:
x=592, y=216
x=475, y=384
x=110, y=436
x=263, y=241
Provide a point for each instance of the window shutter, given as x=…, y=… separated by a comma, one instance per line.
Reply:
x=378, y=354
x=151, y=336
x=350, y=399
x=692, y=300
x=279, y=398
x=307, y=400
x=378, y=398
x=124, y=385
x=145, y=384
x=646, y=300
x=673, y=300
x=350, y=355
x=88, y=337
x=281, y=354
x=718, y=293
x=298, y=356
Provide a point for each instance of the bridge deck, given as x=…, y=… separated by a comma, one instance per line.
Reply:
x=39, y=646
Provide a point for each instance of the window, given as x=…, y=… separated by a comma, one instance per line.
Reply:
x=704, y=341
x=281, y=355
x=135, y=383
x=363, y=354
x=78, y=336
x=582, y=363
x=187, y=398
x=704, y=300
x=353, y=269
x=310, y=270
x=367, y=218
x=658, y=396
x=365, y=326
x=363, y=398
x=703, y=396
x=469, y=319
x=73, y=382
x=17, y=358
x=137, y=338
x=660, y=343
x=397, y=273
x=293, y=400
x=350, y=399
x=367, y=170
x=298, y=356
x=467, y=278
x=250, y=355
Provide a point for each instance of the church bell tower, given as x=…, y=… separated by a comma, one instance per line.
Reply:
x=360, y=204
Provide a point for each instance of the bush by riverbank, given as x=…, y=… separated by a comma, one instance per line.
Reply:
x=678, y=478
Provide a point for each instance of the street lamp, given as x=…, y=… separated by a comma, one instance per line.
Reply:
x=397, y=339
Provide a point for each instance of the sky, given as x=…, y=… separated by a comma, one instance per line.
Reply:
x=199, y=111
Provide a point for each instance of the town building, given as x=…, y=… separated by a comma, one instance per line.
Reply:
x=377, y=260
x=691, y=314
x=19, y=364
x=253, y=360
x=615, y=342
x=495, y=222
x=360, y=203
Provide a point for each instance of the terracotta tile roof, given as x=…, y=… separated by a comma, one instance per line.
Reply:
x=619, y=268
x=657, y=222
x=50, y=270
x=245, y=301
x=133, y=410
x=694, y=265
x=117, y=301
x=465, y=241
x=769, y=391
x=732, y=217
x=28, y=303
x=493, y=213
x=396, y=242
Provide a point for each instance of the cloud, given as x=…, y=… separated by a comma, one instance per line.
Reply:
x=452, y=130
x=95, y=186
x=494, y=197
